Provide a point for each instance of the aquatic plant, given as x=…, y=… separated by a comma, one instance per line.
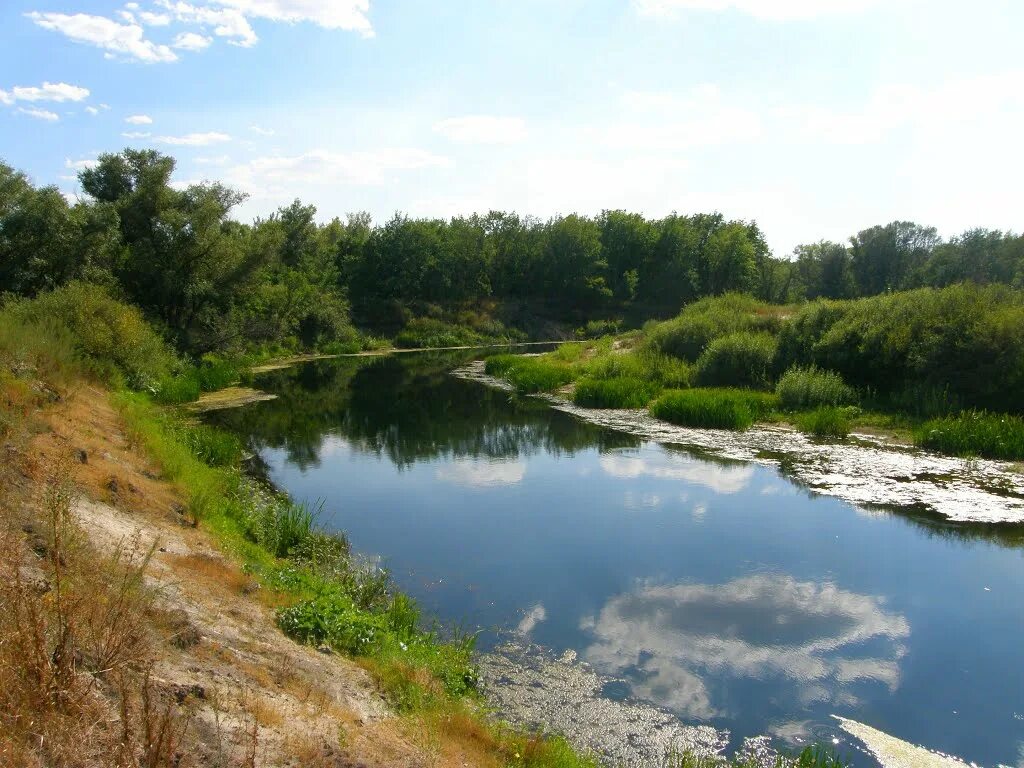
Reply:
x=619, y=392
x=975, y=433
x=827, y=421
x=529, y=374
x=736, y=409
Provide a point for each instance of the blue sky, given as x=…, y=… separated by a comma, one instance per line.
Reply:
x=814, y=117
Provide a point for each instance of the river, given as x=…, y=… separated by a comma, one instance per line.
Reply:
x=719, y=592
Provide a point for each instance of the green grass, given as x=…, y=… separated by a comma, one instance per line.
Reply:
x=619, y=392
x=975, y=433
x=827, y=421
x=809, y=387
x=529, y=374
x=735, y=409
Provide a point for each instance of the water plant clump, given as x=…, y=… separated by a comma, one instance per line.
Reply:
x=735, y=409
x=618, y=392
x=975, y=433
x=827, y=421
x=529, y=374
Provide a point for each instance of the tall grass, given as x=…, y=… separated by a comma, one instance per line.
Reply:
x=529, y=374
x=811, y=387
x=619, y=392
x=735, y=409
x=975, y=433
x=827, y=421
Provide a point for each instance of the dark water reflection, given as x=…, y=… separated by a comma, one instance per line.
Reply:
x=720, y=591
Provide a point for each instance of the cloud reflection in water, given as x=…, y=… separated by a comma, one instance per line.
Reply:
x=811, y=637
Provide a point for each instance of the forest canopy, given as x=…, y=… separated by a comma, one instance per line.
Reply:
x=211, y=283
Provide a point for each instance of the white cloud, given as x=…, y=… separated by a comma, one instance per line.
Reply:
x=276, y=177
x=774, y=10
x=116, y=39
x=483, y=129
x=194, y=139
x=260, y=131
x=533, y=617
x=79, y=165
x=227, y=23
x=765, y=626
x=41, y=114
x=136, y=134
x=191, y=41
x=349, y=15
x=218, y=160
x=57, y=92
x=470, y=473
x=154, y=19
x=92, y=110
x=139, y=120
x=724, y=479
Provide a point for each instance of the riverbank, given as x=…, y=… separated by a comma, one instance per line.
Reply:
x=862, y=469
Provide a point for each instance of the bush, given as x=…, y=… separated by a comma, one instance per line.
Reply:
x=737, y=360
x=975, y=433
x=825, y=422
x=714, y=408
x=619, y=392
x=111, y=338
x=811, y=387
x=529, y=374
x=689, y=334
x=595, y=329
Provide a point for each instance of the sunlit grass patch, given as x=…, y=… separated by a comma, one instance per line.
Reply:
x=827, y=421
x=735, y=409
x=975, y=433
x=529, y=374
x=619, y=392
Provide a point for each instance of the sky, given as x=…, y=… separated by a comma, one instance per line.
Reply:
x=816, y=118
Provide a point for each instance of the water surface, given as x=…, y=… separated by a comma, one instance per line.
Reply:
x=719, y=591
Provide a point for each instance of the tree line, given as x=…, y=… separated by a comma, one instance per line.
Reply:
x=212, y=283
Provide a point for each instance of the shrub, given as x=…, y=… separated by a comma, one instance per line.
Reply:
x=975, y=433
x=737, y=360
x=700, y=323
x=111, y=338
x=529, y=374
x=828, y=421
x=595, y=329
x=621, y=392
x=715, y=408
x=811, y=387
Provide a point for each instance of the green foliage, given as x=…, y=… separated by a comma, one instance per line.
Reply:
x=426, y=332
x=810, y=387
x=975, y=433
x=966, y=340
x=529, y=374
x=111, y=338
x=620, y=392
x=700, y=323
x=741, y=359
x=826, y=421
x=595, y=329
x=735, y=409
